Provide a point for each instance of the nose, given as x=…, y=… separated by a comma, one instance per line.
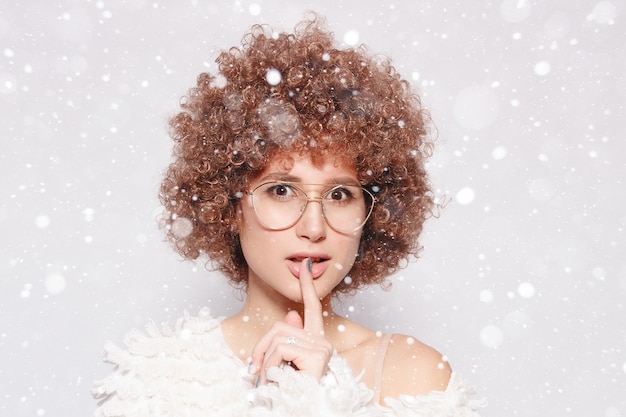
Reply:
x=312, y=225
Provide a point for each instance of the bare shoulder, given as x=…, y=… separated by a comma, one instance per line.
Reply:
x=412, y=367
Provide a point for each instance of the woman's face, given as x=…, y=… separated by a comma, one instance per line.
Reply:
x=274, y=256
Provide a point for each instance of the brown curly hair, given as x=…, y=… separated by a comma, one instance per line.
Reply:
x=281, y=94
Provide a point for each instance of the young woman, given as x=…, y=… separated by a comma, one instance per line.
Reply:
x=299, y=171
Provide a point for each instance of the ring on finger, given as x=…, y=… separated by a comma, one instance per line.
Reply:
x=291, y=340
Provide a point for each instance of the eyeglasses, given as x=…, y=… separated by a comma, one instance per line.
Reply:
x=279, y=205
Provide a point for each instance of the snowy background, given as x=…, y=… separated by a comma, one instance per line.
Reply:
x=523, y=280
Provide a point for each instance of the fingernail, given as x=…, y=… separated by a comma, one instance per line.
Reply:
x=309, y=264
x=251, y=369
x=256, y=384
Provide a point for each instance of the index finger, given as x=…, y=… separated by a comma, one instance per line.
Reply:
x=313, y=320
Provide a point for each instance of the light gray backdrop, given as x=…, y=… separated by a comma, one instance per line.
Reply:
x=523, y=280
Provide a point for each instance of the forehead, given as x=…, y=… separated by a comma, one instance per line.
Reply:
x=304, y=168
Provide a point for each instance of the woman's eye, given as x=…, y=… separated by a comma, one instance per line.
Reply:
x=281, y=190
x=340, y=194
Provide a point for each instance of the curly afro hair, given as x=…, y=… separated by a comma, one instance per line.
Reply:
x=285, y=94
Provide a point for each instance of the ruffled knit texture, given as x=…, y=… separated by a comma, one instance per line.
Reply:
x=190, y=371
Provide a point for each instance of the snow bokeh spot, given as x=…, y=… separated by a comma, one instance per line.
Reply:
x=486, y=296
x=55, y=283
x=351, y=37
x=603, y=12
x=273, y=76
x=526, y=290
x=25, y=293
x=42, y=221
x=219, y=81
x=491, y=336
x=254, y=9
x=8, y=83
x=599, y=273
x=181, y=227
x=88, y=213
x=499, y=153
x=465, y=195
x=542, y=68
x=513, y=11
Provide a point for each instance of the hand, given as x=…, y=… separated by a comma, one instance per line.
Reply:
x=301, y=344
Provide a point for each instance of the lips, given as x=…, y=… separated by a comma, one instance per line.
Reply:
x=313, y=259
x=319, y=264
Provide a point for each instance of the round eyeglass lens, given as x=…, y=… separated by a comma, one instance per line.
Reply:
x=279, y=205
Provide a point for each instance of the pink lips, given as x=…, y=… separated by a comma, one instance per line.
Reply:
x=320, y=263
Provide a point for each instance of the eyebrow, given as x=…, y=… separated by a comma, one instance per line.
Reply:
x=282, y=176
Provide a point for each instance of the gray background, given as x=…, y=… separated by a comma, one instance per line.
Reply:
x=522, y=283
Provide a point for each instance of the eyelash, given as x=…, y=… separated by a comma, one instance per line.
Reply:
x=293, y=190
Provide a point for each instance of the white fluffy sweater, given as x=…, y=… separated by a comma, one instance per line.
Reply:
x=191, y=372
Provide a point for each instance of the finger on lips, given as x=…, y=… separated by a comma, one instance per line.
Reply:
x=292, y=340
x=313, y=320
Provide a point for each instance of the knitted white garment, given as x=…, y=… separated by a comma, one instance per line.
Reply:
x=191, y=372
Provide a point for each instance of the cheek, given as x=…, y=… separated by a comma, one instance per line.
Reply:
x=256, y=241
x=351, y=247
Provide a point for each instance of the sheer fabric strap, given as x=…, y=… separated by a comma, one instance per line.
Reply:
x=380, y=363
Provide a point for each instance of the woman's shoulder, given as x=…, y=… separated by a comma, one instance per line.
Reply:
x=394, y=364
x=417, y=379
x=412, y=367
x=398, y=363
